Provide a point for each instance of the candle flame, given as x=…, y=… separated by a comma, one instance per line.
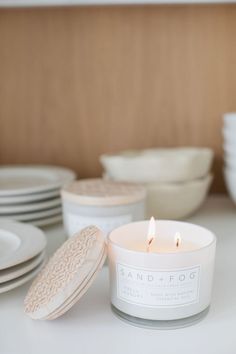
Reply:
x=151, y=232
x=177, y=239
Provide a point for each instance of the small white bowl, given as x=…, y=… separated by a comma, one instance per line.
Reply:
x=230, y=120
x=230, y=161
x=158, y=165
x=229, y=148
x=230, y=180
x=176, y=200
x=229, y=135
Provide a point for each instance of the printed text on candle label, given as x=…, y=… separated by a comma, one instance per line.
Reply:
x=165, y=288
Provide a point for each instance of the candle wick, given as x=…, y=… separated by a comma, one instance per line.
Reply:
x=177, y=239
x=149, y=243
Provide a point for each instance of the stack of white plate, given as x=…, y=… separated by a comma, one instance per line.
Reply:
x=22, y=253
x=177, y=179
x=31, y=194
x=229, y=136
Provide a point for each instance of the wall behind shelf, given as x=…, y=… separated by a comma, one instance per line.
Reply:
x=78, y=82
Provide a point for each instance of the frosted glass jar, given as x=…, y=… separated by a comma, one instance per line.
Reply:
x=106, y=204
x=168, y=287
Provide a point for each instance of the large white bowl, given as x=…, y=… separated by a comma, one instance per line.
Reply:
x=176, y=200
x=230, y=180
x=230, y=120
x=158, y=165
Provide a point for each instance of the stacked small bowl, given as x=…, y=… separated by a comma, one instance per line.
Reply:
x=177, y=180
x=229, y=136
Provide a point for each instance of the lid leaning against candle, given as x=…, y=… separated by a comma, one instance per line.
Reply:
x=97, y=191
x=67, y=275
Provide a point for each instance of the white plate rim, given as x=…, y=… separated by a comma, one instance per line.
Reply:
x=15, y=283
x=62, y=175
x=21, y=269
x=33, y=241
x=24, y=208
x=47, y=221
x=32, y=216
x=29, y=198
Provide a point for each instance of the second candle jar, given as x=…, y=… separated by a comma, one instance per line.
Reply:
x=105, y=204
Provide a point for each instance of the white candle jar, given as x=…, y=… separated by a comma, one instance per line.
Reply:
x=106, y=204
x=167, y=287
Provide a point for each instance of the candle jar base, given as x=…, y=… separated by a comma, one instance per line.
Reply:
x=157, y=324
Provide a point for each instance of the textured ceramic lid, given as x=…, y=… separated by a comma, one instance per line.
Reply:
x=67, y=275
x=102, y=192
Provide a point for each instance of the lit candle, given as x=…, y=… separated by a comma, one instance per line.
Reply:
x=151, y=233
x=151, y=242
x=161, y=272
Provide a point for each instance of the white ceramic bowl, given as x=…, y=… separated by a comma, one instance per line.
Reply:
x=229, y=149
x=230, y=161
x=230, y=120
x=229, y=137
x=230, y=158
x=176, y=200
x=229, y=134
x=158, y=165
x=230, y=179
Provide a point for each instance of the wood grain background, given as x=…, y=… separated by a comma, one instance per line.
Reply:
x=77, y=82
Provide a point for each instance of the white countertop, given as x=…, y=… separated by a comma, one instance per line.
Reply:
x=90, y=327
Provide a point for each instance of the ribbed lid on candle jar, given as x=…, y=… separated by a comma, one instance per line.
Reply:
x=97, y=191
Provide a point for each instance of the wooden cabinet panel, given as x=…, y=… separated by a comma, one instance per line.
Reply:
x=77, y=82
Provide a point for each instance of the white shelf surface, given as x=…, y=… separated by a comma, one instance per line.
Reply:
x=37, y=3
x=91, y=328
